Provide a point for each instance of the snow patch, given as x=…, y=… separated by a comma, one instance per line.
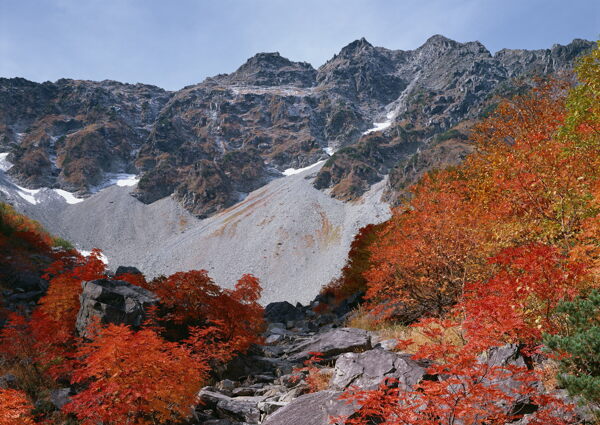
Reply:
x=125, y=180
x=28, y=194
x=85, y=253
x=379, y=126
x=68, y=196
x=119, y=179
x=5, y=164
x=397, y=107
x=329, y=150
x=292, y=171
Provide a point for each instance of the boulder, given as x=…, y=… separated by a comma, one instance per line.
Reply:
x=331, y=343
x=127, y=270
x=113, y=301
x=269, y=407
x=9, y=381
x=311, y=409
x=60, y=396
x=282, y=312
x=509, y=356
x=367, y=370
x=240, y=408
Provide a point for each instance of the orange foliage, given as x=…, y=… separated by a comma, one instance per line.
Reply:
x=316, y=378
x=192, y=299
x=15, y=408
x=352, y=280
x=468, y=391
x=135, y=377
x=136, y=279
x=428, y=251
x=517, y=304
x=525, y=184
x=53, y=322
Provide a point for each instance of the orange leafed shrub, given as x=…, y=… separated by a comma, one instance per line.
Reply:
x=428, y=251
x=193, y=300
x=517, y=304
x=135, y=377
x=316, y=378
x=53, y=322
x=15, y=408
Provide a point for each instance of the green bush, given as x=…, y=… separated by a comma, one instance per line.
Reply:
x=580, y=342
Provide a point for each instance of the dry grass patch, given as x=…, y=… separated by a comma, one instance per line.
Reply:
x=391, y=330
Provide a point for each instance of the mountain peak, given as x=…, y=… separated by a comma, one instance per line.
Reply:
x=271, y=69
x=272, y=60
x=355, y=47
x=438, y=41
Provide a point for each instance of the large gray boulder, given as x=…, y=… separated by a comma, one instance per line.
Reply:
x=282, y=312
x=311, y=409
x=113, y=301
x=331, y=343
x=367, y=370
x=243, y=409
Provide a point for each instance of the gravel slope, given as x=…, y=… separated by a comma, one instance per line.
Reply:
x=293, y=237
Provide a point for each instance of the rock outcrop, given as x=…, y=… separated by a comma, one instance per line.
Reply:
x=112, y=301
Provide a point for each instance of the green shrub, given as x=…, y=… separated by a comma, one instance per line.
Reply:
x=579, y=344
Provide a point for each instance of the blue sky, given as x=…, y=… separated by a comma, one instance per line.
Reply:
x=173, y=43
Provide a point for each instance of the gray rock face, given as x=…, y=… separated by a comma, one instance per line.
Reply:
x=330, y=343
x=60, y=397
x=238, y=408
x=210, y=143
x=367, y=370
x=112, y=301
x=127, y=270
x=282, y=312
x=311, y=409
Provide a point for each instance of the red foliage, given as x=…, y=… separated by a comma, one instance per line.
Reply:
x=467, y=391
x=234, y=317
x=15, y=408
x=135, y=377
x=136, y=279
x=315, y=378
x=352, y=280
x=516, y=305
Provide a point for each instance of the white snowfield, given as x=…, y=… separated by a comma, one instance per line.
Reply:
x=28, y=194
x=33, y=196
x=293, y=171
x=69, y=197
x=4, y=163
x=379, y=126
x=125, y=180
x=293, y=237
x=329, y=150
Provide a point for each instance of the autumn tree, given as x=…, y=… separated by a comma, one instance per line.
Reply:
x=231, y=318
x=352, y=280
x=134, y=377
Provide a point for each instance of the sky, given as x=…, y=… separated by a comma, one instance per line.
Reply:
x=174, y=43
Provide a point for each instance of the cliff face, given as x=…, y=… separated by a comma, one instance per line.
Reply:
x=381, y=111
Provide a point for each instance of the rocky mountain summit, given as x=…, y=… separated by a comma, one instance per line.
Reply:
x=369, y=111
